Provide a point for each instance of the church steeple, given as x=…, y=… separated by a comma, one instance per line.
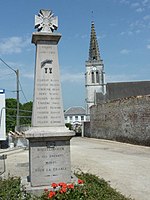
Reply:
x=94, y=49
x=94, y=75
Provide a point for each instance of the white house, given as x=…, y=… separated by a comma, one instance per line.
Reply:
x=75, y=116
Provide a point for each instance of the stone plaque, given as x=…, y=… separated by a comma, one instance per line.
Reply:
x=50, y=162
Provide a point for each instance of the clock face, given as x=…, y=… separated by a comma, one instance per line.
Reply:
x=94, y=68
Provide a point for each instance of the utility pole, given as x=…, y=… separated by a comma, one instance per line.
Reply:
x=17, y=116
x=17, y=98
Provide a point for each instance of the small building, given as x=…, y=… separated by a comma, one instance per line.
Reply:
x=75, y=116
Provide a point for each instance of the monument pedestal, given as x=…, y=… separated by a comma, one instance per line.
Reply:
x=49, y=155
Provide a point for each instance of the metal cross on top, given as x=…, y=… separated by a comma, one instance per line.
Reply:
x=45, y=22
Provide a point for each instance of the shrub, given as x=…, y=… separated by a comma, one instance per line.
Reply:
x=90, y=188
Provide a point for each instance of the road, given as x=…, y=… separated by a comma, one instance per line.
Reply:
x=125, y=166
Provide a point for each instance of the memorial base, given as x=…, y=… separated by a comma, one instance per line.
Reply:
x=38, y=191
x=49, y=156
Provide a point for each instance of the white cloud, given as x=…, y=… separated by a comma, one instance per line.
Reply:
x=146, y=17
x=148, y=46
x=136, y=4
x=99, y=37
x=125, y=51
x=84, y=36
x=145, y=2
x=139, y=9
x=123, y=33
x=28, y=75
x=13, y=45
x=121, y=77
x=72, y=77
x=138, y=31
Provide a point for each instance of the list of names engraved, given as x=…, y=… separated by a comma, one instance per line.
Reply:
x=47, y=101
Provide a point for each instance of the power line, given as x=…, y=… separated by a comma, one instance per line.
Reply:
x=19, y=110
x=10, y=90
x=23, y=92
x=16, y=74
x=7, y=65
x=17, y=78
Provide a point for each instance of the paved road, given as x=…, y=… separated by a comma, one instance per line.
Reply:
x=125, y=166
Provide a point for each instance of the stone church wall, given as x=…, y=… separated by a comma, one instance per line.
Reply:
x=125, y=120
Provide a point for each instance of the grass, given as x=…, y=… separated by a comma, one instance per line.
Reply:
x=92, y=189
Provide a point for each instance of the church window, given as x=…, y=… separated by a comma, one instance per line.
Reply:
x=97, y=77
x=93, y=77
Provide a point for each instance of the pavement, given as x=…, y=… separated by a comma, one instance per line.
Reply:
x=126, y=167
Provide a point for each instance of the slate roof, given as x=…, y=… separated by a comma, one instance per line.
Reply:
x=94, y=49
x=77, y=110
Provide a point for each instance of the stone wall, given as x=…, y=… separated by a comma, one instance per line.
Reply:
x=125, y=120
x=86, y=129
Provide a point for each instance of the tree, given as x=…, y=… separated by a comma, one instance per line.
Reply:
x=11, y=111
x=68, y=125
x=26, y=113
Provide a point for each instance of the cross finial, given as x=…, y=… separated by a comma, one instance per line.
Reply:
x=45, y=22
x=92, y=15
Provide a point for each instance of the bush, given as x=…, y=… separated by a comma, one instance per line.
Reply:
x=91, y=189
x=10, y=190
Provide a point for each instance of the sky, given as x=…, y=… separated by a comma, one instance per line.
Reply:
x=123, y=33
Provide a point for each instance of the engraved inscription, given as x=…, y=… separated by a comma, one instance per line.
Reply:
x=48, y=98
x=50, y=156
x=48, y=103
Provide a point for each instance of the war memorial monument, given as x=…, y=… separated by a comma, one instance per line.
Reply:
x=49, y=139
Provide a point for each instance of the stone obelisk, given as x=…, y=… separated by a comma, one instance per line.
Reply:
x=49, y=139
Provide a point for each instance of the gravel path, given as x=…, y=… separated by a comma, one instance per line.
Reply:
x=125, y=166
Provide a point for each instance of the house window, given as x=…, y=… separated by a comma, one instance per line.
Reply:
x=70, y=117
x=82, y=118
x=93, y=77
x=65, y=117
x=97, y=77
x=76, y=117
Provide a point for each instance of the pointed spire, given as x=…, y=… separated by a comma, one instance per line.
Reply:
x=94, y=49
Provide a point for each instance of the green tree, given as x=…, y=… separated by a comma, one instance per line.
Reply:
x=26, y=113
x=69, y=125
x=11, y=105
x=11, y=111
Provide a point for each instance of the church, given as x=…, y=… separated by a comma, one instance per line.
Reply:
x=97, y=90
x=117, y=111
x=94, y=75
